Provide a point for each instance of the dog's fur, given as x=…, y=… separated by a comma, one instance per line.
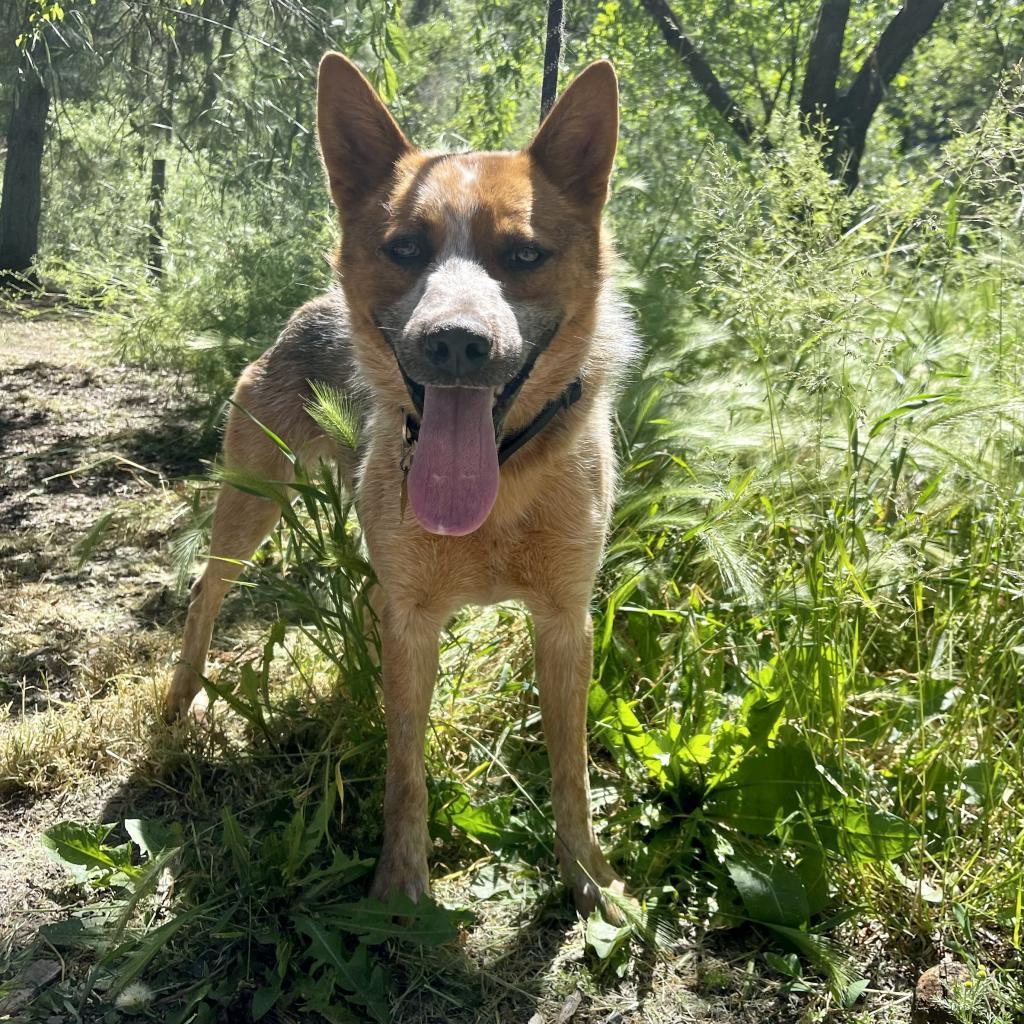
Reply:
x=542, y=541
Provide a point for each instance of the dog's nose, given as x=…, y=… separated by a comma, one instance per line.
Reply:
x=456, y=350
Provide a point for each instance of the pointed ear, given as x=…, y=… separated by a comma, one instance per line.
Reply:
x=575, y=146
x=359, y=139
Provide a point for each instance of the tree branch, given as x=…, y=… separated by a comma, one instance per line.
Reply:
x=819, y=88
x=700, y=71
x=907, y=28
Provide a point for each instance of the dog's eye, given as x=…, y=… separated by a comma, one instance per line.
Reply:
x=404, y=250
x=526, y=257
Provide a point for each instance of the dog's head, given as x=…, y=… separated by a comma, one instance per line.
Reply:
x=464, y=267
x=461, y=264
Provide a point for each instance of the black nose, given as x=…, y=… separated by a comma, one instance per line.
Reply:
x=457, y=351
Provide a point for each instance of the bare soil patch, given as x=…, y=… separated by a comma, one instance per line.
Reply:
x=93, y=455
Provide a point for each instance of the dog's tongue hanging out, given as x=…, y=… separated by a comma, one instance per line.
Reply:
x=454, y=477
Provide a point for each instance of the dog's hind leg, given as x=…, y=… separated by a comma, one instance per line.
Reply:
x=241, y=522
x=272, y=392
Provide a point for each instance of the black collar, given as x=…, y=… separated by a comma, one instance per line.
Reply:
x=508, y=446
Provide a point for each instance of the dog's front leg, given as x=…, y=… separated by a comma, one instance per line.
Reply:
x=409, y=655
x=564, y=661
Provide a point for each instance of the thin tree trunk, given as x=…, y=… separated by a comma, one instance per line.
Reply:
x=214, y=67
x=157, y=187
x=843, y=119
x=21, y=202
x=700, y=71
x=819, y=88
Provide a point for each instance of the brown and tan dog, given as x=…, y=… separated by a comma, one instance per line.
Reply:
x=475, y=290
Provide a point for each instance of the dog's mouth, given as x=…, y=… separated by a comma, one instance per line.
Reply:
x=453, y=482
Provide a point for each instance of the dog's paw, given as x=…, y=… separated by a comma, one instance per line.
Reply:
x=588, y=876
x=587, y=896
x=181, y=693
x=403, y=871
x=175, y=706
x=178, y=709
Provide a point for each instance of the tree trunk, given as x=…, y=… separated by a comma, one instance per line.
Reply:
x=853, y=111
x=157, y=187
x=21, y=202
x=215, y=67
x=842, y=120
x=819, y=88
x=700, y=71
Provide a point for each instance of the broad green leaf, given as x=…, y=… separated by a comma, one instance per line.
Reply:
x=264, y=998
x=395, y=40
x=606, y=939
x=153, y=837
x=82, y=851
x=486, y=822
x=812, y=867
x=874, y=835
x=760, y=714
x=771, y=891
x=788, y=965
x=853, y=992
x=425, y=923
x=489, y=823
x=767, y=788
x=353, y=973
x=343, y=869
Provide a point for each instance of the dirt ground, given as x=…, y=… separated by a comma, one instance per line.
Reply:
x=88, y=453
x=86, y=446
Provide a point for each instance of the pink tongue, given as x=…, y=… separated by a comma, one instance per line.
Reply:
x=454, y=477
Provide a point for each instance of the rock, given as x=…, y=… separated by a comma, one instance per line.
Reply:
x=931, y=1003
x=35, y=976
x=569, y=1007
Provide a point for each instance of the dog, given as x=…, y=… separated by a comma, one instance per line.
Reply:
x=478, y=329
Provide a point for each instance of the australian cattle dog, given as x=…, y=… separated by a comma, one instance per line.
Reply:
x=477, y=329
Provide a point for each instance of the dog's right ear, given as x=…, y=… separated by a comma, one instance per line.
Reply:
x=359, y=139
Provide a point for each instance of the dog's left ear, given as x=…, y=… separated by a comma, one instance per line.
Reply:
x=575, y=146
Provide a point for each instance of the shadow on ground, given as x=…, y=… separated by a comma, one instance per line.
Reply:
x=517, y=960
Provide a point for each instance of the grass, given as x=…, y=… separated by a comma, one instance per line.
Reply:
x=805, y=721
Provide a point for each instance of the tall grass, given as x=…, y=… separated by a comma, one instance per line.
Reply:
x=822, y=506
